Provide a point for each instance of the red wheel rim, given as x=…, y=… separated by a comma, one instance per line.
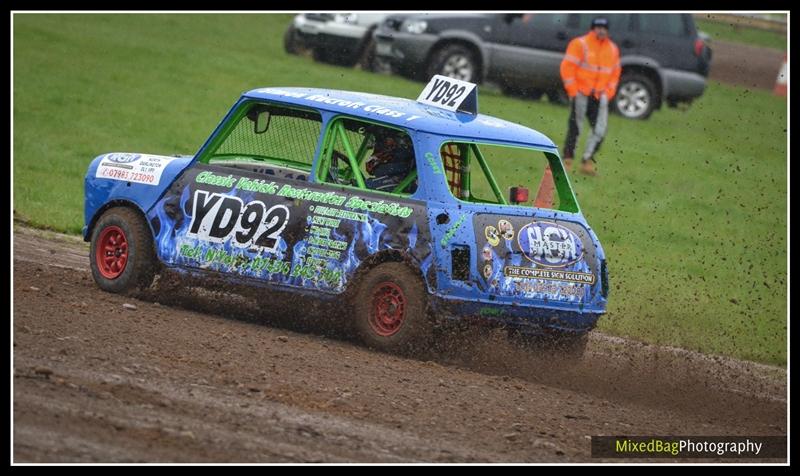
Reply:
x=111, y=254
x=388, y=309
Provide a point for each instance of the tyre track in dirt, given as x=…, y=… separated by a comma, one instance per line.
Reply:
x=94, y=381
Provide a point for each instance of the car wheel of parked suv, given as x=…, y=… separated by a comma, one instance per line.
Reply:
x=290, y=41
x=636, y=96
x=558, y=96
x=454, y=61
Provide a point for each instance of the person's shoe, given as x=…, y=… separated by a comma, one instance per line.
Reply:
x=587, y=167
x=568, y=164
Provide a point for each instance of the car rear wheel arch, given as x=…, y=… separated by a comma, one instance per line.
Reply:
x=376, y=259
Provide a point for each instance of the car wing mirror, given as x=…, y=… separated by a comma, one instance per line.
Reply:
x=262, y=122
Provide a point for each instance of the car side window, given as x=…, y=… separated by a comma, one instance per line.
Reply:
x=663, y=24
x=546, y=20
x=268, y=138
x=369, y=156
x=496, y=174
x=618, y=22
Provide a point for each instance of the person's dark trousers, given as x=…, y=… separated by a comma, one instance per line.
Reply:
x=580, y=106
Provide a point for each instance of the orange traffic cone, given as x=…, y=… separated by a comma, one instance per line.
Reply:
x=544, y=197
x=781, y=82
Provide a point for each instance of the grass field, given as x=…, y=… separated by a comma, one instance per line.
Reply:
x=691, y=205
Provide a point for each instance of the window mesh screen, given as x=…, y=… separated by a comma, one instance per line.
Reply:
x=452, y=168
x=292, y=135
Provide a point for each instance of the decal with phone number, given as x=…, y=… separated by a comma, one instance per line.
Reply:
x=139, y=168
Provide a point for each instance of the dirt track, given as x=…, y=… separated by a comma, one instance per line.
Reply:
x=97, y=382
x=745, y=65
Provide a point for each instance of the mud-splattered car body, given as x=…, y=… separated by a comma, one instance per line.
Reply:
x=294, y=223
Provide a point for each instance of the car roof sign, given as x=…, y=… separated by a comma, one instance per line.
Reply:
x=450, y=94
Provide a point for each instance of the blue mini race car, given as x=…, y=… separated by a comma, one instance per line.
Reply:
x=410, y=213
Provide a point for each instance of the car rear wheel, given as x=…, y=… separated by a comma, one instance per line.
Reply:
x=122, y=255
x=454, y=61
x=636, y=96
x=390, y=309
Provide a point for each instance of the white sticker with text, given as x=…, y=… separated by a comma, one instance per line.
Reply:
x=446, y=93
x=139, y=168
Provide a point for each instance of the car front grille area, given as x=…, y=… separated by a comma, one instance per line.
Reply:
x=392, y=24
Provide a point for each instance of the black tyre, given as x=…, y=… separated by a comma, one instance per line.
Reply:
x=455, y=61
x=390, y=309
x=534, y=94
x=636, y=96
x=290, y=42
x=366, y=58
x=558, y=96
x=122, y=257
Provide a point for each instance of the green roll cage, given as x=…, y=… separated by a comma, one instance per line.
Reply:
x=354, y=158
x=467, y=150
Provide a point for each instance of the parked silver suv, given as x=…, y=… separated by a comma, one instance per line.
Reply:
x=338, y=38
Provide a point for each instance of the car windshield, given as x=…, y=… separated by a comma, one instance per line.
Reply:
x=506, y=175
x=284, y=136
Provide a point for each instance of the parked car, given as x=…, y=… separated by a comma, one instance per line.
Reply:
x=664, y=58
x=338, y=38
x=281, y=197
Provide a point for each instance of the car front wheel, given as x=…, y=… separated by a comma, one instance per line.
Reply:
x=290, y=41
x=122, y=255
x=636, y=96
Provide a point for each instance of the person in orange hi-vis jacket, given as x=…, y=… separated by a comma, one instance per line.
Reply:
x=590, y=71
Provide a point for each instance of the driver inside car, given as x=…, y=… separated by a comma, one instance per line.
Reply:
x=391, y=161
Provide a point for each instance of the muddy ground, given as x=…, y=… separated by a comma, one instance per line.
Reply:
x=749, y=66
x=100, y=377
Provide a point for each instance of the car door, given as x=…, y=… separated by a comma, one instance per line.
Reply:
x=529, y=55
x=242, y=208
x=376, y=211
x=666, y=38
